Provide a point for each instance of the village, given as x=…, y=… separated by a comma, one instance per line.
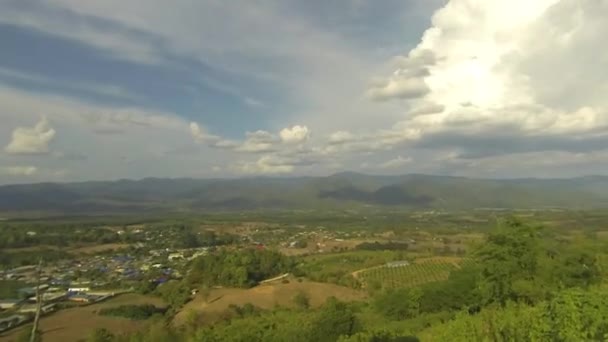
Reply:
x=87, y=280
x=101, y=274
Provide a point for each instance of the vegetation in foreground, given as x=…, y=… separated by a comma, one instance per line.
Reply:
x=522, y=284
x=456, y=282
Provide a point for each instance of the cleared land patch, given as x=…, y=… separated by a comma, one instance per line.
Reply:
x=99, y=248
x=265, y=296
x=77, y=323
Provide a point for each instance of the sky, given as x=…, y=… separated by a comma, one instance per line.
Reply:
x=112, y=89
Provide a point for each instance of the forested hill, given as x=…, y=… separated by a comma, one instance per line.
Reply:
x=344, y=190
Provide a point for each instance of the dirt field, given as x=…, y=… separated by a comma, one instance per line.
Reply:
x=75, y=250
x=99, y=248
x=266, y=296
x=77, y=323
x=30, y=249
x=326, y=246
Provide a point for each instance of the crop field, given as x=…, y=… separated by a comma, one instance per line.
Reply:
x=417, y=273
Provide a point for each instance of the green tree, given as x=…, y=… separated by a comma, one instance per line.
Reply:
x=508, y=261
x=334, y=320
x=101, y=335
x=399, y=304
x=378, y=336
x=301, y=300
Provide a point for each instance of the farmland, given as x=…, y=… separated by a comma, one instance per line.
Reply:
x=409, y=274
x=209, y=272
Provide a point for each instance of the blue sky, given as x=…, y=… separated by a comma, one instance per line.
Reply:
x=131, y=89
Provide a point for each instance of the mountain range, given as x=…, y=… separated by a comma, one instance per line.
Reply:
x=343, y=190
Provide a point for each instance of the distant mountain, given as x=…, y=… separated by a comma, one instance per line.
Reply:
x=413, y=191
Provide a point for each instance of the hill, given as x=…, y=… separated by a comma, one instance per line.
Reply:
x=344, y=190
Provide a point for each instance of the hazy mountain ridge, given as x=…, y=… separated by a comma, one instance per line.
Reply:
x=339, y=190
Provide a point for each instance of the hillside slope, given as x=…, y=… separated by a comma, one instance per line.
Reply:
x=337, y=191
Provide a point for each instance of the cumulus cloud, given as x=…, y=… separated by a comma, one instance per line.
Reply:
x=258, y=141
x=31, y=140
x=341, y=137
x=408, y=81
x=19, y=170
x=505, y=66
x=426, y=108
x=268, y=164
x=282, y=162
x=399, y=87
x=294, y=135
x=199, y=134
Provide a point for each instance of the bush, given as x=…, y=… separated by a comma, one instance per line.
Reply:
x=301, y=300
x=399, y=304
x=135, y=312
x=101, y=335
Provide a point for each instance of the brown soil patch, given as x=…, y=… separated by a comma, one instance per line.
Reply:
x=266, y=296
x=30, y=249
x=99, y=248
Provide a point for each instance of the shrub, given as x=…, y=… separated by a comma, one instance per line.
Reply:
x=135, y=312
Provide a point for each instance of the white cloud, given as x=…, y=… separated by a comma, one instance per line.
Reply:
x=31, y=140
x=341, y=137
x=268, y=164
x=19, y=104
x=107, y=90
x=19, y=170
x=122, y=43
x=144, y=134
x=408, y=81
x=199, y=134
x=288, y=63
x=396, y=163
x=258, y=141
x=532, y=68
x=294, y=135
x=399, y=87
x=426, y=108
x=516, y=64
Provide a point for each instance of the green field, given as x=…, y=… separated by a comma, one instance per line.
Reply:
x=426, y=271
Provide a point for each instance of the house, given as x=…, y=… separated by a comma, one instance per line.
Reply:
x=31, y=291
x=48, y=297
x=81, y=298
x=32, y=308
x=8, y=304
